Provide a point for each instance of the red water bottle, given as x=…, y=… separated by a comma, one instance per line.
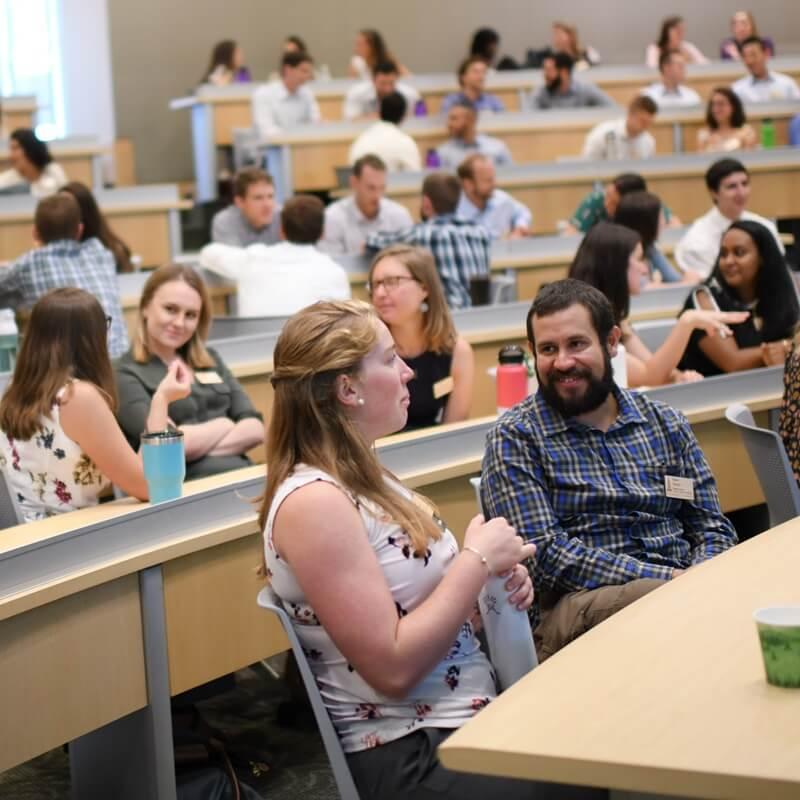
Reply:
x=512, y=377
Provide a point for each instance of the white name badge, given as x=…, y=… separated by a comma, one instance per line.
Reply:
x=679, y=488
x=443, y=387
x=207, y=377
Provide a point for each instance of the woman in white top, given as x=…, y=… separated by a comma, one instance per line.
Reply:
x=376, y=586
x=31, y=164
x=60, y=444
x=673, y=30
x=370, y=49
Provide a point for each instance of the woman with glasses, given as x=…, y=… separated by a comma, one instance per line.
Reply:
x=408, y=296
x=60, y=445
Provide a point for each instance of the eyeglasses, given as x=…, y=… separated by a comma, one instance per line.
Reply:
x=390, y=283
x=108, y=322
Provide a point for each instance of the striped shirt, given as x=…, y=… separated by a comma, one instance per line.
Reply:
x=594, y=502
x=460, y=249
x=85, y=265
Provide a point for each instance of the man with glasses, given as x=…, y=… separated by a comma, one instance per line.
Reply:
x=61, y=259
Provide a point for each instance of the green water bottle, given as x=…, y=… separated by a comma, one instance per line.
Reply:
x=767, y=134
x=9, y=337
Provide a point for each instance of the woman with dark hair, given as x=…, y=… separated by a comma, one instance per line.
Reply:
x=370, y=49
x=96, y=226
x=31, y=164
x=406, y=291
x=218, y=421
x=671, y=37
x=750, y=275
x=743, y=26
x=611, y=258
x=726, y=127
x=641, y=212
x=485, y=43
x=226, y=65
x=564, y=39
x=61, y=445
x=294, y=44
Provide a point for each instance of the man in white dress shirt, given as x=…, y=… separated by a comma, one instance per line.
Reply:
x=482, y=203
x=385, y=139
x=624, y=138
x=350, y=220
x=279, y=280
x=729, y=184
x=462, y=125
x=762, y=85
x=286, y=102
x=363, y=100
x=670, y=91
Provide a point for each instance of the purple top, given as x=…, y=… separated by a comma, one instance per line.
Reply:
x=723, y=48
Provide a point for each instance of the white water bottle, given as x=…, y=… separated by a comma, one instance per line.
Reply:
x=9, y=339
x=508, y=632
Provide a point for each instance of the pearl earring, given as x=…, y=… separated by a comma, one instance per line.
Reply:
x=361, y=401
x=423, y=306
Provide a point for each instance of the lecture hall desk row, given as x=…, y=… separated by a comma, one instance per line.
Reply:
x=145, y=217
x=228, y=107
x=107, y=612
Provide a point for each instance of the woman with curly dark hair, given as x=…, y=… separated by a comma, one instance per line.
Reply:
x=31, y=165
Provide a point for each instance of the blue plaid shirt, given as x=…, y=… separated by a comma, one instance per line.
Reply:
x=86, y=265
x=460, y=249
x=594, y=502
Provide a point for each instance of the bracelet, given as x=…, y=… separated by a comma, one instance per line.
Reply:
x=480, y=555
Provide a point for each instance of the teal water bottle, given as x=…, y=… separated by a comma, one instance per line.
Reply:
x=767, y=134
x=9, y=338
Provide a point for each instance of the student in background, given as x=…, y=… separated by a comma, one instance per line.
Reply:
x=286, y=102
x=61, y=259
x=386, y=140
x=31, y=165
x=670, y=91
x=294, y=44
x=750, y=275
x=472, y=79
x=408, y=296
x=671, y=37
x=462, y=126
x=380, y=589
x=485, y=44
x=218, y=421
x=763, y=85
x=611, y=258
x=226, y=65
x=743, y=26
x=369, y=50
x=564, y=39
x=363, y=100
x=61, y=445
x=626, y=138
x=95, y=225
x=726, y=127
x=641, y=212
x=254, y=216
x=350, y=220
x=561, y=90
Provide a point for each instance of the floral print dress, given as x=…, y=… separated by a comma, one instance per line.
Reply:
x=49, y=473
x=455, y=690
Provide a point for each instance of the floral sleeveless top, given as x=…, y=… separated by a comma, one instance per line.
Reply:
x=456, y=689
x=49, y=474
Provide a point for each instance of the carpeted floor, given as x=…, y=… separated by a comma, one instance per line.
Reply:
x=249, y=717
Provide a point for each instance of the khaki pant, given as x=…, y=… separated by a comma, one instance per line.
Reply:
x=564, y=618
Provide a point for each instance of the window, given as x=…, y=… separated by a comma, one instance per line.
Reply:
x=30, y=59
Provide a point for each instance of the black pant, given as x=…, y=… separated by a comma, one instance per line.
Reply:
x=408, y=769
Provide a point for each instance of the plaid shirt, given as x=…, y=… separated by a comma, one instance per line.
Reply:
x=460, y=249
x=594, y=503
x=85, y=265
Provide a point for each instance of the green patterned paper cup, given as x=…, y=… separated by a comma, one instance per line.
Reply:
x=779, y=632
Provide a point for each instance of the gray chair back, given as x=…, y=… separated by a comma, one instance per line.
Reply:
x=341, y=771
x=771, y=465
x=10, y=512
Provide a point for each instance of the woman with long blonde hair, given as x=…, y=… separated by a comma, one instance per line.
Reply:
x=376, y=586
x=407, y=294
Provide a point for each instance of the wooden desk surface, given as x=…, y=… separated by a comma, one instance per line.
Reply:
x=676, y=701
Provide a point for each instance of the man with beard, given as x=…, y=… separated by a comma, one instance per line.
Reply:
x=611, y=486
x=561, y=90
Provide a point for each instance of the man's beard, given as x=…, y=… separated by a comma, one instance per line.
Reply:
x=597, y=390
x=554, y=85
